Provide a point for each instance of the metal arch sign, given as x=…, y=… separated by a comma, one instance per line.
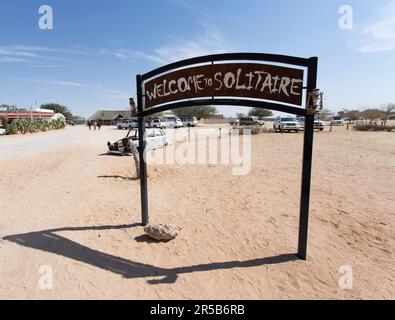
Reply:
x=260, y=80
x=248, y=80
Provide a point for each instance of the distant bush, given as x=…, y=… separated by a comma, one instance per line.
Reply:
x=12, y=128
x=266, y=130
x=373, y=127
x=26, y=125
x=254, y=129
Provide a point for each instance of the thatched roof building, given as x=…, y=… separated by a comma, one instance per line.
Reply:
x=109, y=117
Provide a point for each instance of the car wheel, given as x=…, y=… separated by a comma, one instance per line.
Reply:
x=119, y=127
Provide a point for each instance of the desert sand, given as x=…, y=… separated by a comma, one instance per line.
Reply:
x=67, y=207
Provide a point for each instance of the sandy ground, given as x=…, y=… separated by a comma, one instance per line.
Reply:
x=69, y=212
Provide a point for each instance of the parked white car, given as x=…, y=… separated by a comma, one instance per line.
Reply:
x=287, y=124
x=174, y=122
x=318, y=124
x=2, y=130
x=127, y=124
x=251, y=121
x=190, y=122
x=337, y=121
x=158, y=123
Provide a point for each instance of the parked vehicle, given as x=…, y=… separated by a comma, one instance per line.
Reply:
x=337, y=121
x=318, y=124
x=287, y=124
x=158, y=123
x=190, y=122
x=127, y=124
x=2, y=130
x=156, y=138
x=234, y=122
x=251, y=121
x=174, y=122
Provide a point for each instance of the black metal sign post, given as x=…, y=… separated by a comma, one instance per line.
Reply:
x=142, y=153
x=169, y=87
x=307, y=161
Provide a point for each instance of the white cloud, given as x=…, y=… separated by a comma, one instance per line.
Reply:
x=117, y=95
x=379, y=34
x=23, y=53
x=61, y=83
x=12, y=52
x=210, y=41
x=11, y=59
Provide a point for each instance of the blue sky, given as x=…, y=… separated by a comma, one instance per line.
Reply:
x=90, y=59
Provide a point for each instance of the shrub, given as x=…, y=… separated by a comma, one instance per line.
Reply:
x=270, y=130
x=254, y=130
x=27, y=125
x=12, y=128
x=373, y=127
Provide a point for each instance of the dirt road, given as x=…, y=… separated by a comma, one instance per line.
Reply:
x=69, y=221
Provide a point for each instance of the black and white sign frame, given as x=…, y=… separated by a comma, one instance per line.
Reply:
x=310, y=64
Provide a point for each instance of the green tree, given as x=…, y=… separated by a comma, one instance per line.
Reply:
x=200, y=112
x=325, y=114
x=351, y=115
x=388, y=110
x=373, y=114
x=78, y=119
x=57, y=108
x=261, y=113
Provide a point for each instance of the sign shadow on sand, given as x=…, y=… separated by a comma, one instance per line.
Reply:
x=49, y=241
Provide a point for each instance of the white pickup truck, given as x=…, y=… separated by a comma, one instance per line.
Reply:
x=174, y=122
x=158, y=123
x=337, y=121
x=287, y=124
x=127, y=124
x=318, y=124
x=190, y=122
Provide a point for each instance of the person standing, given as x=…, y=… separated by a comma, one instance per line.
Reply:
x=99, y=125
x=90, y=125
x=94, y=125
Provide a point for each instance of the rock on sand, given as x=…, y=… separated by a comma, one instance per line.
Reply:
x=162, y=231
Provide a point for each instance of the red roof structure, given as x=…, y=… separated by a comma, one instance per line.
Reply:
x=35, y=115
